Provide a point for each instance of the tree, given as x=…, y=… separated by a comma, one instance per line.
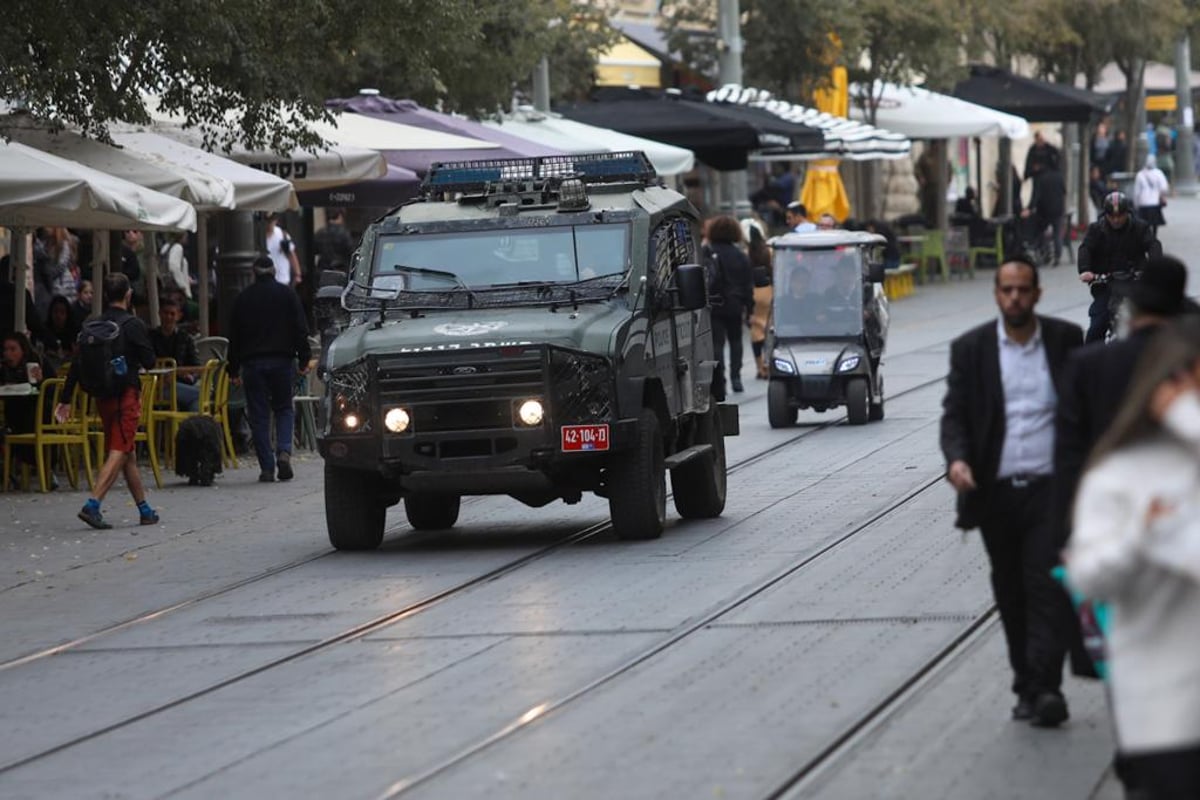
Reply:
x=788, y=49
x=889, y=42
x=252, y=73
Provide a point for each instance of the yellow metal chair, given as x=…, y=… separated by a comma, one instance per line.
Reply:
x=934, y=249
x=168, y=417
x=220, y=413
x=72, y=433
x=146, y=426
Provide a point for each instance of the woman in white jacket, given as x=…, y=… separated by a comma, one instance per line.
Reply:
x=1136, y=545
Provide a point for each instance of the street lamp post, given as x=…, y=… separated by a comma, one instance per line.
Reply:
x=733, y=183
x=1185, y=168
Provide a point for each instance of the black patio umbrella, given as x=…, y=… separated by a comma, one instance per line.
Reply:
x=720, y=135
x=1035, y=100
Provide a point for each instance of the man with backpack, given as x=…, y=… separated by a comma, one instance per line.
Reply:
x=112, y=348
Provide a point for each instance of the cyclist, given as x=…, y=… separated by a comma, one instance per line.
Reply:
x=1116, y=243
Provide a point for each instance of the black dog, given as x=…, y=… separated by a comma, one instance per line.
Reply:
x=198, y=450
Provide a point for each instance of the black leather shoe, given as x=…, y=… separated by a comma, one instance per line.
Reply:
x=1023, y=710
x=736, y=385
x=1049, y=710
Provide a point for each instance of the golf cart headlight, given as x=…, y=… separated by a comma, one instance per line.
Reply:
x=396, y=420
x=784, y=366
x=351, y=421
x=849, y=364
x=531, y=413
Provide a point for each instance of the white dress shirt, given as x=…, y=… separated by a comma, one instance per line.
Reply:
x=1029, y=402
x=805, y=227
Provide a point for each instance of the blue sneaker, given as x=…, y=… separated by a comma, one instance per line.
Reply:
x=93, y=517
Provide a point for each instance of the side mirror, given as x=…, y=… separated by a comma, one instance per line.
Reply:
x=875, y=272
x=691, y=286
x=333, y=277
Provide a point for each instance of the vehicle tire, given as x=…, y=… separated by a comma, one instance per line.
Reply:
x=699, y=485
x=637, y=484
x=779, y=412
x=354, y=508
x=858, y=397
x=432, y=512
x=875, y=412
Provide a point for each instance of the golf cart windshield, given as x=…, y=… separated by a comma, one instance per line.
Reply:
x=508, y=257
x=818, y=293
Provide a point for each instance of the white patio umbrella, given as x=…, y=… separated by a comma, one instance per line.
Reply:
x=253, y=190
x=42, y=189
x=196, y=187
x=574, y=137
x=921, y=114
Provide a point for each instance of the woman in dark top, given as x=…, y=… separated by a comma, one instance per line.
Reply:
x=760, y=259
x=20, y=411
x=61, y=330
x=731, y=298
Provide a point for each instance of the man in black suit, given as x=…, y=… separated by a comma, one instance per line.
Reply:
x=1097, y=375
x=997, y=436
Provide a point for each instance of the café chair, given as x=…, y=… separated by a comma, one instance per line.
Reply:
x=46, y=435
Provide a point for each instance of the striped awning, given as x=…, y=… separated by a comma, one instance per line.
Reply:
x=844, y=138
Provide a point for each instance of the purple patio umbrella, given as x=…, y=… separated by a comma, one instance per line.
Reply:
x=409, y=112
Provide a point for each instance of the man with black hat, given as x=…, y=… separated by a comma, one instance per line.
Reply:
x=268, y=343
x=1098, y=374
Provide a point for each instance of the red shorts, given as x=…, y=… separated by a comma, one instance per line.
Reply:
x=120, y=417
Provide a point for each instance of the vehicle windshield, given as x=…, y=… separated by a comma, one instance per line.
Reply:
x=818, y=292
x=500, y=258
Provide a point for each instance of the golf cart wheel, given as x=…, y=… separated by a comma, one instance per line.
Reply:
x=432, y=512
x=780, y=413
x=858, y=398
x=699, y=485
x=637, y=484
x=354, y=508
x=875, y=413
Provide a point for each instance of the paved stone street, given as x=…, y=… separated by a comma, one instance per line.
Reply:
x=828, y=636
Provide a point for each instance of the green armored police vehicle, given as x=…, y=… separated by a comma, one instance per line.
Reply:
x=532, y=327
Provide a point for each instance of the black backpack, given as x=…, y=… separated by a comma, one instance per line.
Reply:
x=103, y=368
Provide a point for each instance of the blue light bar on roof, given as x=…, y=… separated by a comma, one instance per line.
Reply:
x=474, y=176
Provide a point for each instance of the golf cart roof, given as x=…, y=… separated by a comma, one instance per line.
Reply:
x=825, y=239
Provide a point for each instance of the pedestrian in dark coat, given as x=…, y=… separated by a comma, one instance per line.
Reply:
x=997, y=435
x=268, y=347
x=731, y=299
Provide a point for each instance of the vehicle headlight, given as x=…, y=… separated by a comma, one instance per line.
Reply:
x=351, y=421
x=785, y=366
x=396, y=420
x=849, y=363
x=531, y=413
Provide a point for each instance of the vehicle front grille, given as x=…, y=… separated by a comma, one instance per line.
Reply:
x=474, y=390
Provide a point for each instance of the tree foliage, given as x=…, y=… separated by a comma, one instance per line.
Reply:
x=253, y=73
x=901, y=43
x=787, y=48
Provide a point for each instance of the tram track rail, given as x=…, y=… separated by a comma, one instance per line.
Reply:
x=681, y=634
x=418, y=606
x=873, y=718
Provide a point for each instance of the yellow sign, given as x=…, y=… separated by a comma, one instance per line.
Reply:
x=1160, y=102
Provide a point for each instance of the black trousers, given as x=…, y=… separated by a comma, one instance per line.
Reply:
x=726, y=329
x=1099, y=314
x=1035, y=611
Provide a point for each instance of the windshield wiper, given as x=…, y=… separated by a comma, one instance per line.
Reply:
x=438, y=274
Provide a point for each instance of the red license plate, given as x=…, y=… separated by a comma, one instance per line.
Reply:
x=584, y=437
